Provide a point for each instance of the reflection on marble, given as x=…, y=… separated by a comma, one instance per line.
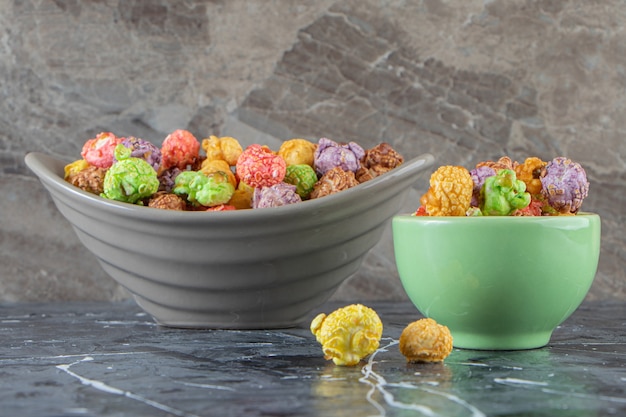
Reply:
x=111, y=359
x=464, y=80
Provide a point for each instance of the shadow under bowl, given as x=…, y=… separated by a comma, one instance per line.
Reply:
x=498, y=283
x=245, y=269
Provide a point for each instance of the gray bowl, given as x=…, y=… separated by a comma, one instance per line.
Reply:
x=245, y=269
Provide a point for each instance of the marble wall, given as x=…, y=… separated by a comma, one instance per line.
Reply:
x=464, y=80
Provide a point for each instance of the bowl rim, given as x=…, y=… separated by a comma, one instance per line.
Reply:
x=409, y=217
x=48, y=169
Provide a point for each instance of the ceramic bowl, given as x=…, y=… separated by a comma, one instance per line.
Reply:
x=247, y=269
x=497, y=282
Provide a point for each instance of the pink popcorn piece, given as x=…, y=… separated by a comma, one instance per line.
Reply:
x=179, y=149
x=100, y=151
x=258, y=167
x=330, y=154
x=564, y=185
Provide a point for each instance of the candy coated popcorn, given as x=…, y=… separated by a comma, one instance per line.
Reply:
x=90, y=179
x=100, y=151
x=503, y=193
x=253, y=169
x=210, y=166
x=541, y=189
x=257, y=166
x=298, y=152
x=333, y=181
x=140, y=148
x=303, y=176
x=450, y=192
x=129, y=179
x=180, y=149
x=167, y=201
x=378, y=160
x=275, y=195
x=348, y=334
x=242, y=197
x=222, y=207
x=478, y=175
x=225, y=148
x=205, y=190
x=74, y=168
x=167, y=178
x=530, y=172
x=564, y=185
x=330, y=154
x=503, y=163
x=425, y=340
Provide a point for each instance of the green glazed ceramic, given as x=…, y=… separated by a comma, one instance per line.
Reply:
x=498, y=283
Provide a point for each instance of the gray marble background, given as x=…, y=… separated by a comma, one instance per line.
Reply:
x=464, y=80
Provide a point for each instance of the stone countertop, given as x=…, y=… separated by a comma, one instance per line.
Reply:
x=111, y=359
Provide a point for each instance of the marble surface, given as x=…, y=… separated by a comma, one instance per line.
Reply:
x=110, y=359
x=463, y=80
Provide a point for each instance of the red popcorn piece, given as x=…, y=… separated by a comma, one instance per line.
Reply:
x=421, y=211
x=258, y=167
x=179, y=149
x=100, y=151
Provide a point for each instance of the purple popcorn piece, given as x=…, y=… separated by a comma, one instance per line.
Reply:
x=141, y=148
x=167, y=179
x=276, y=195
x=564, y=185
x=330, y=154
x=478, y=177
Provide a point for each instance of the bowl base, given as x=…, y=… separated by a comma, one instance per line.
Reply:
x=517, y=341
x=211, y=319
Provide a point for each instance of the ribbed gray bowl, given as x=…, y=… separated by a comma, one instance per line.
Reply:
x=245, y=269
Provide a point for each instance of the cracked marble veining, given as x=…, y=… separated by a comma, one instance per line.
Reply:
x=98, y=359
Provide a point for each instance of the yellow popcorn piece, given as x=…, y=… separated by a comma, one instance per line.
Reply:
x=348, y=334
x=425, y=340
x=74, y=168
x=298, y=151
x=450, y=192
x=225, y=148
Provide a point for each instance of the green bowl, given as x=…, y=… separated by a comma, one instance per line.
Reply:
x=498, y=283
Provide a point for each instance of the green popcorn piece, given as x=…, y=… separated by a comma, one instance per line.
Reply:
x=205, y=190
x=130, y=179
x=303, y=176
x=503, y=193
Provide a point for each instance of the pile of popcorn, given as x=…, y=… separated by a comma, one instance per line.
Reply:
x=217, y=174
x=507, y=188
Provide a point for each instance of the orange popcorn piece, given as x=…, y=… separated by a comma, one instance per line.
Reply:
x=450, y=192
x=425, y=340
x=209, y=166
x=530, y=172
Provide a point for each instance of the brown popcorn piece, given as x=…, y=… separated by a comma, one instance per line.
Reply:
x=503, y=163
x=333, y=181
x=90, y=179
x=378, y=160
x=425, y=340
x=167, y=201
